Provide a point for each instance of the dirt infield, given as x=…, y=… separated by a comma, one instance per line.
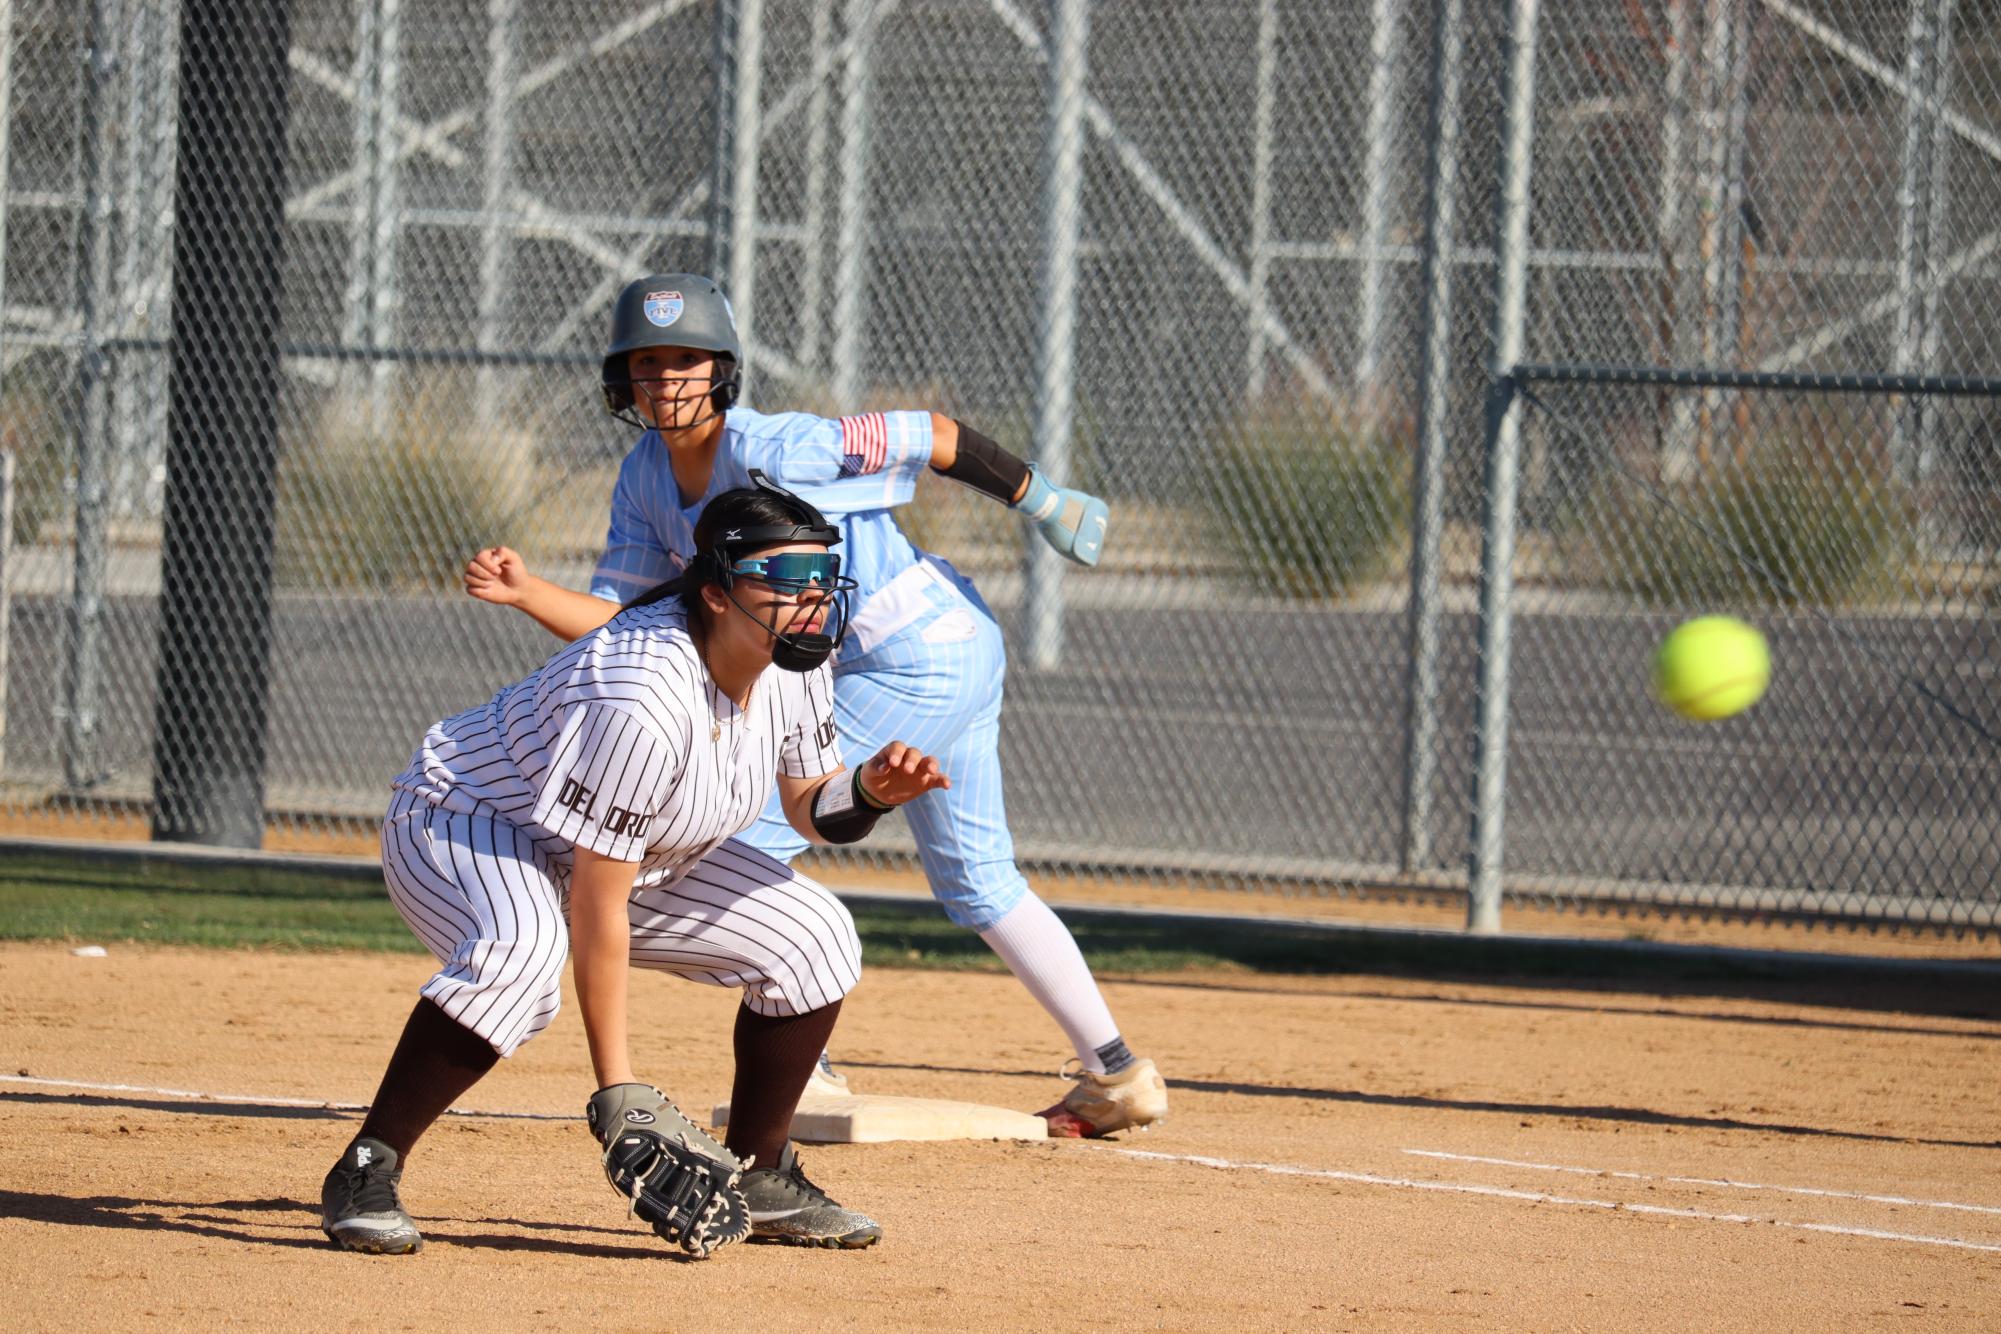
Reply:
x=1407, y=1154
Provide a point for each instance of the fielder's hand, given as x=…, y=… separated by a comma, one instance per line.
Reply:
x=900, y=773
x=672, y=1173
x=497, y=575
x=1071, y=521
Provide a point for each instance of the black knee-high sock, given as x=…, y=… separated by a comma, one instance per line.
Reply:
x=435, y=1061
x=774, y=1057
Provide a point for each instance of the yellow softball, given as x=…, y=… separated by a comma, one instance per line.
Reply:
x=1711, y=667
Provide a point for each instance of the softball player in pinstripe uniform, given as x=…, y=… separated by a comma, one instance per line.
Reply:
x=589, y=810
x=923, y=660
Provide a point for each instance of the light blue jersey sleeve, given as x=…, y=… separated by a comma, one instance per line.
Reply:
x=842, y=465
x=637, y=554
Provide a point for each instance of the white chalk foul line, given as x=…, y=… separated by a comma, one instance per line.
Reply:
x=259, y=1099
x=1707, y=1181
x=1199, y=1160
x=1540, y=1197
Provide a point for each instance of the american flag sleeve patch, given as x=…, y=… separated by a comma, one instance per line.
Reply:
x=864, y=444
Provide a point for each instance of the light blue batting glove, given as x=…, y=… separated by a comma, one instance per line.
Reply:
x=1071, y=521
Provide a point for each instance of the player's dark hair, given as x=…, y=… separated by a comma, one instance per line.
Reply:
x=763, y=514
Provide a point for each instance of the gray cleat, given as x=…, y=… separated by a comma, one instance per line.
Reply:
x=359, y=1210
x=786, y=1207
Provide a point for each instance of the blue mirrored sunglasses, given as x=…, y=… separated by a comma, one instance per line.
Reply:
x=792, y=571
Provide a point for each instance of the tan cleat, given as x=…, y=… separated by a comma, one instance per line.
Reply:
x=1132, y=1099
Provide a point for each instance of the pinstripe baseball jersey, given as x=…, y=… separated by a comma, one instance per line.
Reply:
x=620, y=743
x=853, y=469
x=923, y=660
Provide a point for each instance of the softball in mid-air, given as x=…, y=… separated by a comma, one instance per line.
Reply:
x=1711, y=667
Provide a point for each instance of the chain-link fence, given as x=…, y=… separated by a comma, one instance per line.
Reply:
x=303, y=303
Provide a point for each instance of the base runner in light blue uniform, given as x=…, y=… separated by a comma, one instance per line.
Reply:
x=923, y=660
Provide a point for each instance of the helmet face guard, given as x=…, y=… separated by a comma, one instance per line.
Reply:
x=792, y=572
x=672, y=310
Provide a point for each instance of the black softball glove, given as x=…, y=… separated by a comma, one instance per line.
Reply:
x=669, y=1170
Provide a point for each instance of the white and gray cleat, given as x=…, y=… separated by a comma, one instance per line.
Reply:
x=785, y=1207
x=359, y=1208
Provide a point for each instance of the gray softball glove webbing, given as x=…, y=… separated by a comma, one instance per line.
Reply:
x=669, y=1170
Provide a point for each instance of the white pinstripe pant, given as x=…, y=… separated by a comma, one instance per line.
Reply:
x=481, y=897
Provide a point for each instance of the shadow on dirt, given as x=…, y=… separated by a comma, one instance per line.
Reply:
x=229, y=1220
x=1561, y=1111
x=1584, y=1007
x=194, y=1106
x=256, y=1110
x=906, y=934
x=198, y=1218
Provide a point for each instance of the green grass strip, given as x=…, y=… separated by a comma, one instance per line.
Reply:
x=166, y=901
x=253, y=907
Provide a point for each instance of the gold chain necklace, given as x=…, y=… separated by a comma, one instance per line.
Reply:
x=715, y=718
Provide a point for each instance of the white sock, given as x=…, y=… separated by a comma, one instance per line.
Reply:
x=1040, y=950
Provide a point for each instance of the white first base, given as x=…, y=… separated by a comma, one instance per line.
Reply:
x=869, y=1118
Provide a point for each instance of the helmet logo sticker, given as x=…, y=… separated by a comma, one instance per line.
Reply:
x=663, y=308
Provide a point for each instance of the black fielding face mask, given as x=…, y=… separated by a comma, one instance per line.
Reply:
x=802, y=653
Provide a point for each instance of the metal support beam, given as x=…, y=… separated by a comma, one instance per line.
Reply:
x=83, y=664
x=373, y=297
x=1720, y=210
x=1262, y=99
x=723, y=37
x=1920, y=209
x=6, y=577
x=1181, y=219
x=813, y=223
x=1056, y=362
x=6, y=157
x=745, y=142
x=851, y=210
x=1380, y=165
x=1504, y=409
x=212, y=682
x=498, y=180
x=1434, y=414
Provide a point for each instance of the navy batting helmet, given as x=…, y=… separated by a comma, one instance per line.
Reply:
x=672, y=310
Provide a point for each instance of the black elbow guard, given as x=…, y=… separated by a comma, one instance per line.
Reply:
x=843, y=812
x=986, y=467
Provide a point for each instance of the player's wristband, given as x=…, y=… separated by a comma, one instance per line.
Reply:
x=845, y=812
x=986, y=467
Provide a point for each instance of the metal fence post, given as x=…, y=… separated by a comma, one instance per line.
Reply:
x=1258, y=274
x=1063, y=208
x=372, y=296
x=812, y=278
x=722, y=140
x=851, y=208
x=6, y=147
x=1936, y=214
x=6, y=584
x=6, y=455
x=1920, y=210
x=745, y=140
x=1379, y=135
x=1434, y=410
x=494, y=234
x=1676, y=420
x=128, y=440
x=213, y=678
x=83, y=657
x=1483, y=908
